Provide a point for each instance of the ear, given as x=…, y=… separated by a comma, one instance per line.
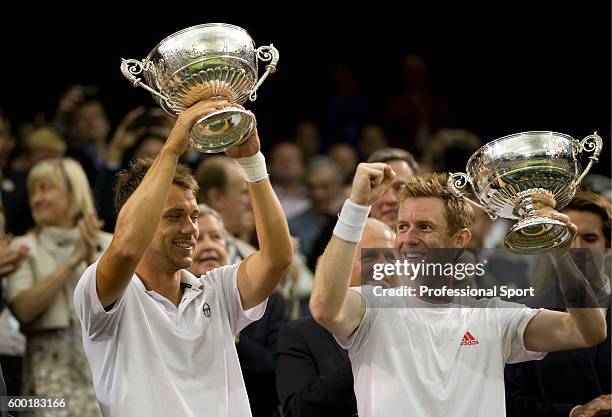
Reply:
x=463, y=237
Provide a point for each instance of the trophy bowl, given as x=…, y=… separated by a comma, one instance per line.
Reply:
x=213, y=60
x=509, y=173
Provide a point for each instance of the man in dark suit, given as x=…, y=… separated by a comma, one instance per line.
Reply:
x=576, y=382
x=313, y=375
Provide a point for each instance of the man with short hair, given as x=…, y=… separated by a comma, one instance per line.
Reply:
x=81, y=117
x=222, y=188
x=160, y=341
x=429, y=358
x=287, y=168
x=323, y=181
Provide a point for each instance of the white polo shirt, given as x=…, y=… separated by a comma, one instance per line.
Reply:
x=436, y=362
x=150, y=358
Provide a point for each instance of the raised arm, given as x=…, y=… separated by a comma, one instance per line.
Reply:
x=140, y=215
x=331, y=303
x=551, y=331
x=260, y=273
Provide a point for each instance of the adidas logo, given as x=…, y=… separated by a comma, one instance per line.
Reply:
x=469, y=340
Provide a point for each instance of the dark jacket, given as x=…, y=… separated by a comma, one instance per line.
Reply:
x=256, y=349
x=314, y=376
x=551, y=387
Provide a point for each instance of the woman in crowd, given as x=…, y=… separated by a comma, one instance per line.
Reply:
x=65, y=240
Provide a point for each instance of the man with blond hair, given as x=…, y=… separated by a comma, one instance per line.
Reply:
x=428, y=358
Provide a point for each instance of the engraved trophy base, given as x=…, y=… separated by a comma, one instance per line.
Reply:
x=537, y=234
x=222, y=130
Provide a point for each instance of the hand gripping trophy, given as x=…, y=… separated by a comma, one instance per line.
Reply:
x=214, y=60
x=507, y=173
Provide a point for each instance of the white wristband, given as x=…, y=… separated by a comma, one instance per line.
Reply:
x=253, y=168
x=572, y=410
x=351, y=221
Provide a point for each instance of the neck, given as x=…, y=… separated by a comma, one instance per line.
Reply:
x=65, y=223
x=163, y=281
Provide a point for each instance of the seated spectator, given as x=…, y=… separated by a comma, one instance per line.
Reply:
x=346, y=157
x=323, y=184
x=66, y=239
x=287, y=176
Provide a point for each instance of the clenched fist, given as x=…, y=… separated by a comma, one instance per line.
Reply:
x=370, y=182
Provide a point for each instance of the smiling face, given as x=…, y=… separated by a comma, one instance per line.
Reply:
x=175, y=238
x=50, y=204
x=211, y=247
x=422, y=224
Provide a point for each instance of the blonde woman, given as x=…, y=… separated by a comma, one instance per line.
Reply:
x=66, y=239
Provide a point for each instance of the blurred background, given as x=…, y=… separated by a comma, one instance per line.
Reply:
x=493, y=70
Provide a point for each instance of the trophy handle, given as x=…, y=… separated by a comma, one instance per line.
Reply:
x=591, y=143
x=458, y=180
x=132, y=67
x=265, y=54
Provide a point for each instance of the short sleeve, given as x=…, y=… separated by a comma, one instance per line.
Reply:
x=96, y=322
x=226, y=278
x=514, y=320
x=360, y=335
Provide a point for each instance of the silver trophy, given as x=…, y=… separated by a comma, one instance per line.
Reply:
x=507, y=173
x=214, y=60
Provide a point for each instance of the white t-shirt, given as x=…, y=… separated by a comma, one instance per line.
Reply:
x=150, y=358
x=436, y=362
